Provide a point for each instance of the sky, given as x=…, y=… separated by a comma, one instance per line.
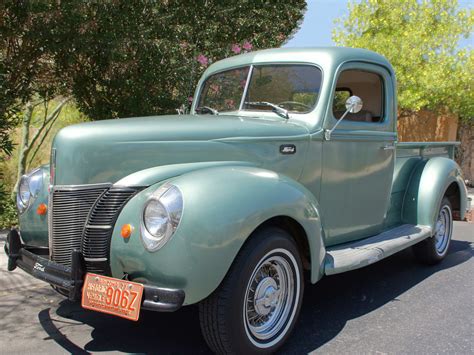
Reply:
x=315, y=31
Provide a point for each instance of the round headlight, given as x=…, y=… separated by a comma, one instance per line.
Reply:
x=156, y=219
x=161, y=216
x=23, y=195
x=24, y=190
x=35, y=183
x=28, y=189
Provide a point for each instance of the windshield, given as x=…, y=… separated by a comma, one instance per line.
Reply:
x=294, y=87
x=223, y=91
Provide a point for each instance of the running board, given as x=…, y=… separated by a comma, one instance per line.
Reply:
x=354, y=255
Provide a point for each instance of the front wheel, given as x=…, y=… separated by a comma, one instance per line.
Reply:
x=257, y=304
x=432, y=250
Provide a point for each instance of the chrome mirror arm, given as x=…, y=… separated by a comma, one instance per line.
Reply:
x=328, y=132
x=353, y=105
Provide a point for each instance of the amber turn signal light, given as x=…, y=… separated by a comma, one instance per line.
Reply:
x=126, y=231
x=42, y=209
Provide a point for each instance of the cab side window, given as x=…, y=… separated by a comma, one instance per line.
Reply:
x=368, y=86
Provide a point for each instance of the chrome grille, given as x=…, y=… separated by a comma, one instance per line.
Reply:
x=98, y=231
x=69, y=210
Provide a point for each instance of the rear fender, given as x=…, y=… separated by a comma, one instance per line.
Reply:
x=427, y=186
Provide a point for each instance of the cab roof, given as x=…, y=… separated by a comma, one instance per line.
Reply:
x=326, y=57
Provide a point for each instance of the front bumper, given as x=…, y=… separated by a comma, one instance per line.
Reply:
x=35, y=261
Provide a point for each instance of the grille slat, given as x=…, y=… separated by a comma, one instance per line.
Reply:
x=70, y=209
x=75, y=212
x=96, y=242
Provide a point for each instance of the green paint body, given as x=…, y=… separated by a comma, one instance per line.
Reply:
x=234, y=178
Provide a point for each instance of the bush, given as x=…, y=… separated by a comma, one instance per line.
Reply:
x=8, y=212
x=9, y=165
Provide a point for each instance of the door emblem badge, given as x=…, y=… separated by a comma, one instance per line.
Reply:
x=287, y=149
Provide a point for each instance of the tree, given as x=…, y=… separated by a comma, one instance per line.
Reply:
x=124, y=58
x=135, y=58
x=420, y=38
x=26, y=65
x=121, y=58
x=29, y=76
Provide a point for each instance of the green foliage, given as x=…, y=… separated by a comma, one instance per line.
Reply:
x=306, y=98
x=125, y=58
x=420, y=38
x=8, y=212
x=141, y=58
x=26, y=63
x=69, y=115
x=340, y=98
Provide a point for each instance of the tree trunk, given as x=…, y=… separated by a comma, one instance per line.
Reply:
x=24, y=143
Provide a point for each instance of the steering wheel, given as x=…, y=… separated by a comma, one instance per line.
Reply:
x=295, y=103
x=206, y=109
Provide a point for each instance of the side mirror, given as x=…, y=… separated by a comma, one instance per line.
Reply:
x=353, y=105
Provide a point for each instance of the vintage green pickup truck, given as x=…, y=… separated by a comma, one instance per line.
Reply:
x=287, y=169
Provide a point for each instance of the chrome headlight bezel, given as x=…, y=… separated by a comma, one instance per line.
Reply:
x=23, y=195
x=28, y=189
x=156, y=229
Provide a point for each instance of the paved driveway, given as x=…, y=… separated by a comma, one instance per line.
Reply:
x=394, y=306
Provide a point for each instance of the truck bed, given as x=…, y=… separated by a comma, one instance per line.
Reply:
x=426, y=149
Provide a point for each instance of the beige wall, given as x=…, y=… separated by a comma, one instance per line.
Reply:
x=425, y=126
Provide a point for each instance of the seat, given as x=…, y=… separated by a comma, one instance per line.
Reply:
x=361, y=116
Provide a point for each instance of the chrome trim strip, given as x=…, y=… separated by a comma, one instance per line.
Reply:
x=95, y=259
x=97, y=227
x=50, y=222
x=80, y=187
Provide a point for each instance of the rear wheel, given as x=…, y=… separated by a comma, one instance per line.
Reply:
x=257, y=304
x=433, y=250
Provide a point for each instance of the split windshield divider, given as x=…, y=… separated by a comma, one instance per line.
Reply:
x=244, y=95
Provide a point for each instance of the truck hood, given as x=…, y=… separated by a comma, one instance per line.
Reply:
x=106, y=151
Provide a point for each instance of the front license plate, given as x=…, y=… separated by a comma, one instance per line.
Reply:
x=113, y=296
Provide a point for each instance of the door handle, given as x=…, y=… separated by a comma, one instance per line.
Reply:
x=389, y=147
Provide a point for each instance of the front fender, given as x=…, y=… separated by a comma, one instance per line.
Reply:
x=151, y=176
x=222, y=207
x=427, y=186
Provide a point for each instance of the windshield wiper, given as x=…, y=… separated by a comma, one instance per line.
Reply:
x=275, y=108
x=203, y=109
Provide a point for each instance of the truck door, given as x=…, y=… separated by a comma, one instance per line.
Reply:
x=358, y=160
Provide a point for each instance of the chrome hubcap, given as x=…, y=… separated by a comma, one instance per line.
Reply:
x=266, y=296
x=270, y=298
x=443, y=230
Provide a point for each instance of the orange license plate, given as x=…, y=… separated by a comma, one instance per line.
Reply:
x=113, y=296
